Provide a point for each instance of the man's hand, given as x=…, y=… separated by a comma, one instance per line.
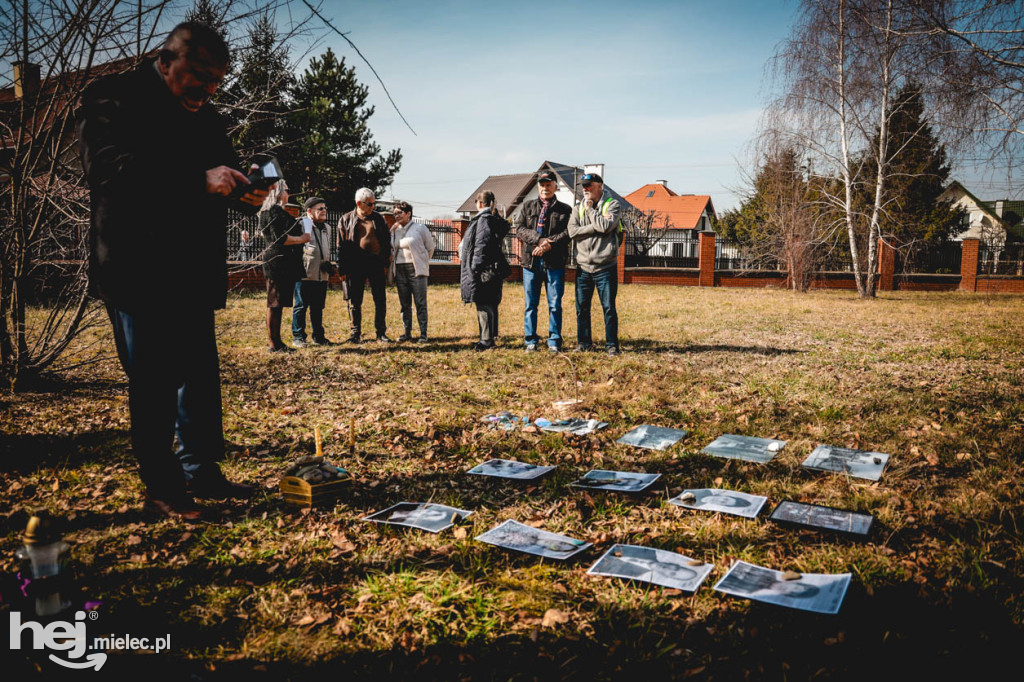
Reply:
x=543, y=246
x=223, y=180
x=589, y=203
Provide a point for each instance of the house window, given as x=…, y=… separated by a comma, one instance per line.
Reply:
x=650, y=194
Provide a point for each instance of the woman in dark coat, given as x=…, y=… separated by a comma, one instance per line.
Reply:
x=484, y=267
x=282, y=259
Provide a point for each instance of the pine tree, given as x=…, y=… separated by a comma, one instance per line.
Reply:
x=257, y=99
x=918, y=174
x=334, y=153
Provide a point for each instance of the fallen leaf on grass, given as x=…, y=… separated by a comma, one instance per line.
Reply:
x=133, y=540
x=553, y=617
x=459, y=533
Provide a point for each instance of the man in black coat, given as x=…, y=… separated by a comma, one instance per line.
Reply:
x=159, y=167
x=542, y=226
x=364, y=253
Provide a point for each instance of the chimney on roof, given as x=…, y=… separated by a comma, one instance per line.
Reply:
x=594, y=168
x=26, y=79
x=663, y=183
x=999, y=207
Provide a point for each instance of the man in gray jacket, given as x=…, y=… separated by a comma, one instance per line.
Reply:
x=595, y=228
x=311, y=290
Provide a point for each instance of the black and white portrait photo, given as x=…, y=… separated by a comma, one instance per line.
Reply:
x=718, y=500
x=421, y=515
x=656, y=566
x=822, y=518
x=747, y=448
x=817, y=592
x=507, y=468
x=855, y=463
x=616, y=481
x=522, y=538
x=653, y=437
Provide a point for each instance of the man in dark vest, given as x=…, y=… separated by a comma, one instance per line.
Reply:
x=159, y=167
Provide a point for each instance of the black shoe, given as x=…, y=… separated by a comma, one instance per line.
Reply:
x=422, y=339
x=383, y=338
x=323, y=342
x=281, y=349
x=405, y=337
x=299, y=343
x=581, y=348
x=482, y=347
x=612, y=350
x=355, y=338
x=184, y=508
x=219, y=488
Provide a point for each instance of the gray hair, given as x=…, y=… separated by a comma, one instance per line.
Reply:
x=364, y=193
x=274, y=195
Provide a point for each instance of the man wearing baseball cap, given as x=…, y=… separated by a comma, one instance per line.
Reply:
x=541, y=226
x=595, y=229
x=311, y=290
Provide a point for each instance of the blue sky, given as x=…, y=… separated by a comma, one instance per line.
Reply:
x=654, y=90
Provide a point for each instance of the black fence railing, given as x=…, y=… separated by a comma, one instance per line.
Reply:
x=733, y=255
x=936, y=259
x=445, y=241
x=1007, y=259
x=672, y=249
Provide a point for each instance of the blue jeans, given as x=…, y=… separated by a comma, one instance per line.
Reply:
x=554, y=284
x=173, y=390
x=312, y=296
x=607, y=284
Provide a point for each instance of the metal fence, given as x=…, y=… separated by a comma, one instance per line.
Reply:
x=733, y=255
x=937, y=259
x=445, y=241
x=672, y=249
x=1007, y=259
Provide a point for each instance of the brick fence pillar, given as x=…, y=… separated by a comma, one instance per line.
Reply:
x=969, y=263
x=460, y=225
x=886, y=265
x=706, y=258
x=620, y=263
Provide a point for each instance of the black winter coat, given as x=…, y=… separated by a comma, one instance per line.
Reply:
x=483, y=240
x=280, y=262
x=157, y=240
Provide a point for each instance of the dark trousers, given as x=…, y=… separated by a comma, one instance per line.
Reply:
x=607, y=284
x=173, y=390
x=487, y=318
x=411, y=288
x=356, y=283
x=312, y=296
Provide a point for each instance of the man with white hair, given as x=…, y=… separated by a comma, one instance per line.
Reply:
x=364, y=254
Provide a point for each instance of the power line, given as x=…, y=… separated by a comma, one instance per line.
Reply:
x=379, y=80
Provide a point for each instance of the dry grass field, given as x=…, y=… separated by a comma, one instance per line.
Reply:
x=935, y=380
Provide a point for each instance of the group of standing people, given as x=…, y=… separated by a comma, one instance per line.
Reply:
x=547, y=228
x=297, y=266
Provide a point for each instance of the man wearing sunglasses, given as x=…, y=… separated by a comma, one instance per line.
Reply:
x=595, y=229
x=364, y=254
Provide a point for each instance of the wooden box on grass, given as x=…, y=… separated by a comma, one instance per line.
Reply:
x=302, y=493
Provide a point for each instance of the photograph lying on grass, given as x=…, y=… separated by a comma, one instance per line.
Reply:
x=507, y=468
x=615, y=481
x=577, y=427
x=653, y=437
x=747, y=448
x=718, y=500
x=856, y=463
x=506, y=421
x=822, y=518
x=522, y=538
x=433, y=518
x=817, y=592
x=650, y=565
